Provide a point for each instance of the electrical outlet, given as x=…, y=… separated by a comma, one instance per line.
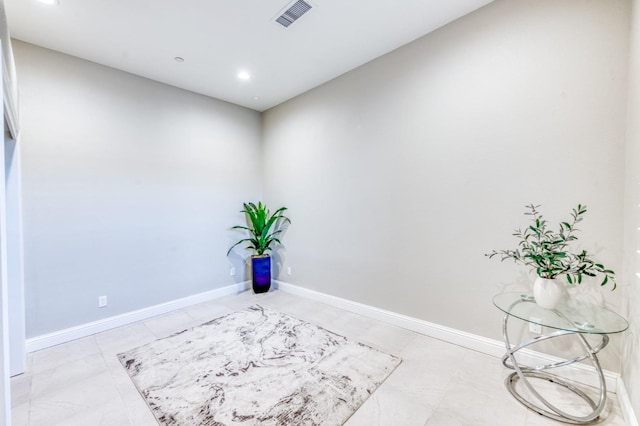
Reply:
x=232, y=271
x=288, y=270
x=534, y=326
x=102, y=301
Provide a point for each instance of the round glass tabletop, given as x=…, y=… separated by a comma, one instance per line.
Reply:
x=571, y=315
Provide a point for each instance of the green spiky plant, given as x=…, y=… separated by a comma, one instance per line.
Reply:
x=263, y=227
x=548, y=252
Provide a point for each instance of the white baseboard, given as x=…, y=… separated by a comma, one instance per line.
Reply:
x=577, y=372
x=580, y=373
x=625, y=404
x=62, y=336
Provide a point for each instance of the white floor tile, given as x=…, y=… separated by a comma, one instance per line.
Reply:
x=68, y=374
x=168, y=324
x=207, y=311
x=20, y=389
x=124, y=338
x=20, y=415
x=63, y=354
x=74, y=401
x=390, y=405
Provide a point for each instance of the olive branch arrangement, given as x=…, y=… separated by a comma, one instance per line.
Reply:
x=548, y=252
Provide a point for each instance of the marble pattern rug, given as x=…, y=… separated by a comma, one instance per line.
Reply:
x=256, y=367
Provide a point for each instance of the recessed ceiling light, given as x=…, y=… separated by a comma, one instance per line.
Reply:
x=179, y=59
x=256, y=98
x=244, y=75
x=50, y=2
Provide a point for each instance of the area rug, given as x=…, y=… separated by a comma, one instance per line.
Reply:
x=256, y=367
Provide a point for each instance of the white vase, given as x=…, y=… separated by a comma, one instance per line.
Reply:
x=547, y=292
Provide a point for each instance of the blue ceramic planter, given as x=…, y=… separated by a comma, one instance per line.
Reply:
x=261, y=273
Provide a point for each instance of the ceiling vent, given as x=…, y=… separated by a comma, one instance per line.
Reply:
x=293, y=12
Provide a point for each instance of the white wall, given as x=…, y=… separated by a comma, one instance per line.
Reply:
x=631, y=306
x=130, y=188
x=15, y=269
x=5, y=391
x=401, y=174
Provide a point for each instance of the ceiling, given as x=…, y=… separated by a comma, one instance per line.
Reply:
x=219, y=38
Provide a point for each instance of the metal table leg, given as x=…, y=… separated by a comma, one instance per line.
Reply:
x=546, y=408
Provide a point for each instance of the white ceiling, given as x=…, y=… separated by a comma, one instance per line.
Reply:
x=218, y=38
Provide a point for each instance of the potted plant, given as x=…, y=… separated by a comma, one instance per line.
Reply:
x=549, y=255
x=263, y=230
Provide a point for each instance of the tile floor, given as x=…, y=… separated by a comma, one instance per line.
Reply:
x=82, y=382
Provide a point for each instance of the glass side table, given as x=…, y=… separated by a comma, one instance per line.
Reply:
x=570, y=318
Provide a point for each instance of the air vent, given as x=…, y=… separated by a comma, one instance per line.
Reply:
x=295, y=11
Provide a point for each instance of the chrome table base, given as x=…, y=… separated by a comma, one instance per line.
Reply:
x=542, y=405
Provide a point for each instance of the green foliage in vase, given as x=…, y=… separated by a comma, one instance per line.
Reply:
x=548, y=252
x=263, y=227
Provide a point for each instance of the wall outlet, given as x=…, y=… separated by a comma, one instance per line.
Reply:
x=102, y=301
x=534, y=327
x=232, y=271
x=288, y=270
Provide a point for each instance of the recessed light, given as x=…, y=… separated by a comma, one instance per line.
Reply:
x=244, y=75
x=50, y=2
x=179, y=59
x=256, y=98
